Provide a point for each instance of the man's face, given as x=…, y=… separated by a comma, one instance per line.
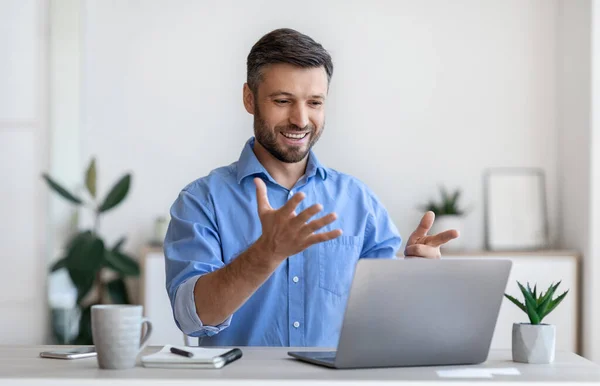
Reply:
x=289, y=110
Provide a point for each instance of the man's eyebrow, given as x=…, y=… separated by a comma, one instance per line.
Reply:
x=279, y=93
x=289, y=94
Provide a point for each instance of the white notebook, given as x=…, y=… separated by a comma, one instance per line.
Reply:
x=204, y=358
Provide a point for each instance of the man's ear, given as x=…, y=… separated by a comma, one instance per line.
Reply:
x=248, y=97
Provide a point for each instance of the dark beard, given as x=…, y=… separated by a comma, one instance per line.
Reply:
x=268, y=139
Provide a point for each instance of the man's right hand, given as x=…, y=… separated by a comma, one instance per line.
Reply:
x=285, y=233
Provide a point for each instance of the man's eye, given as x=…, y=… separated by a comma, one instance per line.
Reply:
x=281, y=101
x=316, y=103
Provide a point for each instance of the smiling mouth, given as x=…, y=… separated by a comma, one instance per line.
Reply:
x=296, y=136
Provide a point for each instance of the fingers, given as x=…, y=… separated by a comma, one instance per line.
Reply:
x=422, y=250
x=315, y=225
x=321, y=237
x=306, y=214
x=442, y=238
x=423, y=228
x=291, y=204
x=262, y=199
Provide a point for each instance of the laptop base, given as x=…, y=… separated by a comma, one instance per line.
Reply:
x=323, y=358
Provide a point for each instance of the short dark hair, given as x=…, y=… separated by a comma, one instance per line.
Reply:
x=289, y=46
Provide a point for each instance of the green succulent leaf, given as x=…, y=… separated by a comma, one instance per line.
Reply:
x=444, y=192
x=524, y=291
x=534, y=318
x=90, y=178
x=516, y=302
x=537, y=307
x=64, y=193
x=448, y=205
x=556, y=302
x=118, y=291
x=530, y=305
x=121, y=263
x=117, y=194
x=545, y=295
x=455, y=198
x=543, y=306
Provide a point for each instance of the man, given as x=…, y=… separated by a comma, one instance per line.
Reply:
x=248, y=260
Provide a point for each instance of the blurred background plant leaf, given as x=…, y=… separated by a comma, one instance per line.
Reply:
x=117, y=194
x=64, y=193
x=90, y=178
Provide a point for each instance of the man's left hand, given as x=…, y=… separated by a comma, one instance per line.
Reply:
x=428, y=246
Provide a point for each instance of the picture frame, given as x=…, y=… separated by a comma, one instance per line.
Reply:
x=516, y=217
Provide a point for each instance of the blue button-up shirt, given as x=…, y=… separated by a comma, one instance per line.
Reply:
x=215, y=219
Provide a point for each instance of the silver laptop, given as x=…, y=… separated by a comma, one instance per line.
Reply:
x=418, y=312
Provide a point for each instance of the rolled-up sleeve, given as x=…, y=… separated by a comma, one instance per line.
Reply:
x=192, y=249
x=382, y=239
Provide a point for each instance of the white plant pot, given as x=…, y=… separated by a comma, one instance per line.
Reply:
x=447, y=222
x=533, y=343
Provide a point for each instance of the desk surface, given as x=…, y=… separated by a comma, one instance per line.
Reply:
x=21, y=365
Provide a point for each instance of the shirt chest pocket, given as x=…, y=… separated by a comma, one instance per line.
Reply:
x=337, y=259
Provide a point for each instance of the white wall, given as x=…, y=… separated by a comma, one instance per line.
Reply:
x=423, y=93
x=575, y=150
x=459, y=87
x=65, y=127
x=579, y=173
x=23, y=155
x=64, y=119
x=592, y=267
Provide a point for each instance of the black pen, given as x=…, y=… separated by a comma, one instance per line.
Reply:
x=231, y=356
x=183, y=353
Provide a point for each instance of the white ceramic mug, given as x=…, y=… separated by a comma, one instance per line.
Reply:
x=117, y=330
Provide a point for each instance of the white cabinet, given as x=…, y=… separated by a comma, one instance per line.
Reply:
x=155, y=300
x=542, y=268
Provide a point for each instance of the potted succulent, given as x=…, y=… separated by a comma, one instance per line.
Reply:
x=448, y=215
x=535, y=342
x=96, y=269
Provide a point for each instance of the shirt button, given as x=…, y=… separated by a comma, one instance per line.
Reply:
x=295, y=279
x=296, y=324
x=291, y=193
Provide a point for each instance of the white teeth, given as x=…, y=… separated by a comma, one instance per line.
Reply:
x=294, y=136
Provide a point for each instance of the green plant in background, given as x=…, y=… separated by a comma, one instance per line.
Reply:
x=87, y=256
x=538, y=306
x=447, y=206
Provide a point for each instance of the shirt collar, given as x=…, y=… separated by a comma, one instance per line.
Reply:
x=249, y=165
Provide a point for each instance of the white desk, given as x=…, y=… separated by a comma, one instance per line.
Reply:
x=21, y=365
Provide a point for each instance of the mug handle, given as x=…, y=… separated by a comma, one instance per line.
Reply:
x=144, y=340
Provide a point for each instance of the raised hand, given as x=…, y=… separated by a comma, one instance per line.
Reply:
x=285, y=233
x=428, y=246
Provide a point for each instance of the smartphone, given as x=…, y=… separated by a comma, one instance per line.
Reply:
x=73, y=353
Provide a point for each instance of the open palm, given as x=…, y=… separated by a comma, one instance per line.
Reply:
x=420, y=244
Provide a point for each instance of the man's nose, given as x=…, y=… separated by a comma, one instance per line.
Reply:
x=299, y=116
